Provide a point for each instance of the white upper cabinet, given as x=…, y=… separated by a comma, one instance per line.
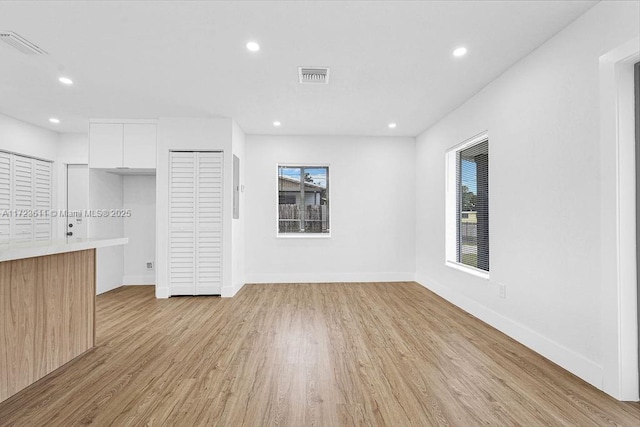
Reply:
x=122, y=145
x=139, y=145
x=105, y=145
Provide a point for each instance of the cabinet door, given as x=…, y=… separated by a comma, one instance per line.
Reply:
x=140, y=145
x=105, y=145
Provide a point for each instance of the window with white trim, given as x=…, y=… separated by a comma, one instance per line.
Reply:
x=303, y=200
x=468, y=205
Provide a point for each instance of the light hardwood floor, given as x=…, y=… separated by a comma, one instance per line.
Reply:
x=310, y=354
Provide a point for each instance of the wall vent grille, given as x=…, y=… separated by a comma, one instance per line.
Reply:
x=313, y=75
x=20, y=43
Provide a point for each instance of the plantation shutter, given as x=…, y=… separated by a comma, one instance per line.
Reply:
x=5, y=197
x=195, y=247
x=42, y=199
x=23, y=199
x=209, y=223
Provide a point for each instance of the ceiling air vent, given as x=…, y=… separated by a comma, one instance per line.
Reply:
x=20, y=43
x=314, y=75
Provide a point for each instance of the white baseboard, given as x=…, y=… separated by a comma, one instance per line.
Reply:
x=143, y=279
x=162, y=292
x=230, y=291
x=106, y=289
x=573, y=362
x=320, y=277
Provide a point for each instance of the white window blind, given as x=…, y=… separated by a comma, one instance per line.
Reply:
x=472, y=206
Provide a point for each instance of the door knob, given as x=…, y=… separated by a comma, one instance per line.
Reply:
x=69, y=233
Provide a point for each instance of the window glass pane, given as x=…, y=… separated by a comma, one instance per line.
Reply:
x=288, y=199
x=303, y=199
x=473, y=206
x=316, y=201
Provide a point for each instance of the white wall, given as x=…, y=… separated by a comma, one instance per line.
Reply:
x=618, y=249
x=191, y=134
x=372, y=182
x=22, y=138
x=73, y=148
x=139, y=197
x=29, y=140
x=106, y=192
x=238, y=224
x=544, y=177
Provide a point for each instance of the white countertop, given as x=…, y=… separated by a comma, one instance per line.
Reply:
x=13, y=251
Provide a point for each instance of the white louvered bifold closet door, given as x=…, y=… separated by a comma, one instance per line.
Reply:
x=209, y=223
x=195, y=210
x=5, y=197
x=182, y=219
x=42, y=199
x=23, y=199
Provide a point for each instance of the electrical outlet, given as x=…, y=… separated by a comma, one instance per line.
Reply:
x=149, y=266
x=502, y=290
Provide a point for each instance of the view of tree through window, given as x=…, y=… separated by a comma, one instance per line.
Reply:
x=473, y=206
x=303, y=199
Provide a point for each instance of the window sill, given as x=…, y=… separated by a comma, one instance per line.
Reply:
x=303, y=235
x=467, y=269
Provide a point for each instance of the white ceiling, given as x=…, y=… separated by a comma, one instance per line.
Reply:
x=390, y=60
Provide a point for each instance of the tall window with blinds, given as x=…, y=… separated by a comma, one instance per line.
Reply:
x=472, y=205
x=303, y=200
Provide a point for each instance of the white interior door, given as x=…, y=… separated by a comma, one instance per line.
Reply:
x=209, y=224
x=23, y=198
x=42, y=198
x=6, y=204
x=182, y=239
x=195, y=209
x=77, y=201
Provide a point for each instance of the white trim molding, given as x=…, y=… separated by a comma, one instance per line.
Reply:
x=618, y=223
x=574, y=362
x=140, y=279
x=451, y=195
x=162, y=292
x=320, y=277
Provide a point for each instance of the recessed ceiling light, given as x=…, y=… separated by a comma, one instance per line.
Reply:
x=253, y=46
x=392, y=125
x=54, y=120
x=276, y=124
x=461, y=51
x=65, y=80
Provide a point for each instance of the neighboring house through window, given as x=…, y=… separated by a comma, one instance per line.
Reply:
x=303, y=199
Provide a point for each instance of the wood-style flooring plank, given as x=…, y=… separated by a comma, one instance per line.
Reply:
x=385, y=354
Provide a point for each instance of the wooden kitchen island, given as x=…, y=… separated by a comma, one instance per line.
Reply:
x=47, y=307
